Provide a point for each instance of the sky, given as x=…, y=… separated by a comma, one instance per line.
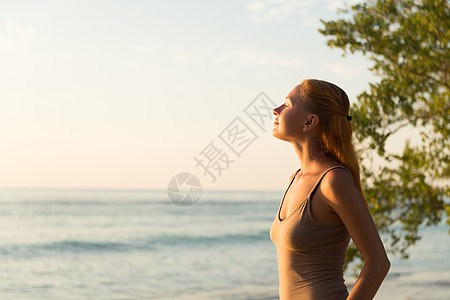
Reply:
x=127, y=94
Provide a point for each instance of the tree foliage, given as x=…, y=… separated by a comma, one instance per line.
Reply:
x=407, y=42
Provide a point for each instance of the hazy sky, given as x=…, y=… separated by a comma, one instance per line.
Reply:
x=124, y=94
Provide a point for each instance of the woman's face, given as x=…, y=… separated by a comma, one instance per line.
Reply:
x=289, y=118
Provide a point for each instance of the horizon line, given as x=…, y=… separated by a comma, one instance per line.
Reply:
x=129, y=189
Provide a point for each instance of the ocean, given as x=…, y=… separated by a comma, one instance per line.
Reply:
x=120, y=244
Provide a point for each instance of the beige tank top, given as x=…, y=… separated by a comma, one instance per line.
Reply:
x=311, y=255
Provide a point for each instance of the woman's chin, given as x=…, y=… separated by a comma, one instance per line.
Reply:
x=275, y=133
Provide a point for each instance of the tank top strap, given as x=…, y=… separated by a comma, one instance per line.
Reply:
x=290, y=183
x=285, y=192
x=295, y=174
x=323, y=175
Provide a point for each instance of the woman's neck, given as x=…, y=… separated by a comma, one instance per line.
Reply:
x=312, y=160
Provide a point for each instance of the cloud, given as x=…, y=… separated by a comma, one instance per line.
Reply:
x=145, y=49
x=213, y=53
x=178, y=54
x=204, y=52
x=259, y=58
x=260, y=11
x=310, y=22
x=334, y=5
x=14, y=36
x=346, y=71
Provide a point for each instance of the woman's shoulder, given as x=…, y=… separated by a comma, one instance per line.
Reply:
x=338, y=183
x=337, y=175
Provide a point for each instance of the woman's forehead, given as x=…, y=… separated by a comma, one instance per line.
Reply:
x=293, y=95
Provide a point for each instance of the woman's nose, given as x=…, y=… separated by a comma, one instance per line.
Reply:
x=276, y=110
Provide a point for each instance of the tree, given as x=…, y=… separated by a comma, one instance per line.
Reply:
x=407, y=43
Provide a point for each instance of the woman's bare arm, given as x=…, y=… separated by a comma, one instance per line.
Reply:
x=345, y=199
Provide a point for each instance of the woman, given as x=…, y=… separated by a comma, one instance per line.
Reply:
x=323, y=206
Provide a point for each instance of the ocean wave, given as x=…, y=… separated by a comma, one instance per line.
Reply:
x=208, y=240
x=38, y=249
x=140, y=244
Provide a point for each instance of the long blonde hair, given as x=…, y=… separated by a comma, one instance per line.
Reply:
x=332, y=106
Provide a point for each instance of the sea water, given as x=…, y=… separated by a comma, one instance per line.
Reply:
x=117, y=244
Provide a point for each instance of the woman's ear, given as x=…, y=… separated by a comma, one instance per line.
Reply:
x=311, y=121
